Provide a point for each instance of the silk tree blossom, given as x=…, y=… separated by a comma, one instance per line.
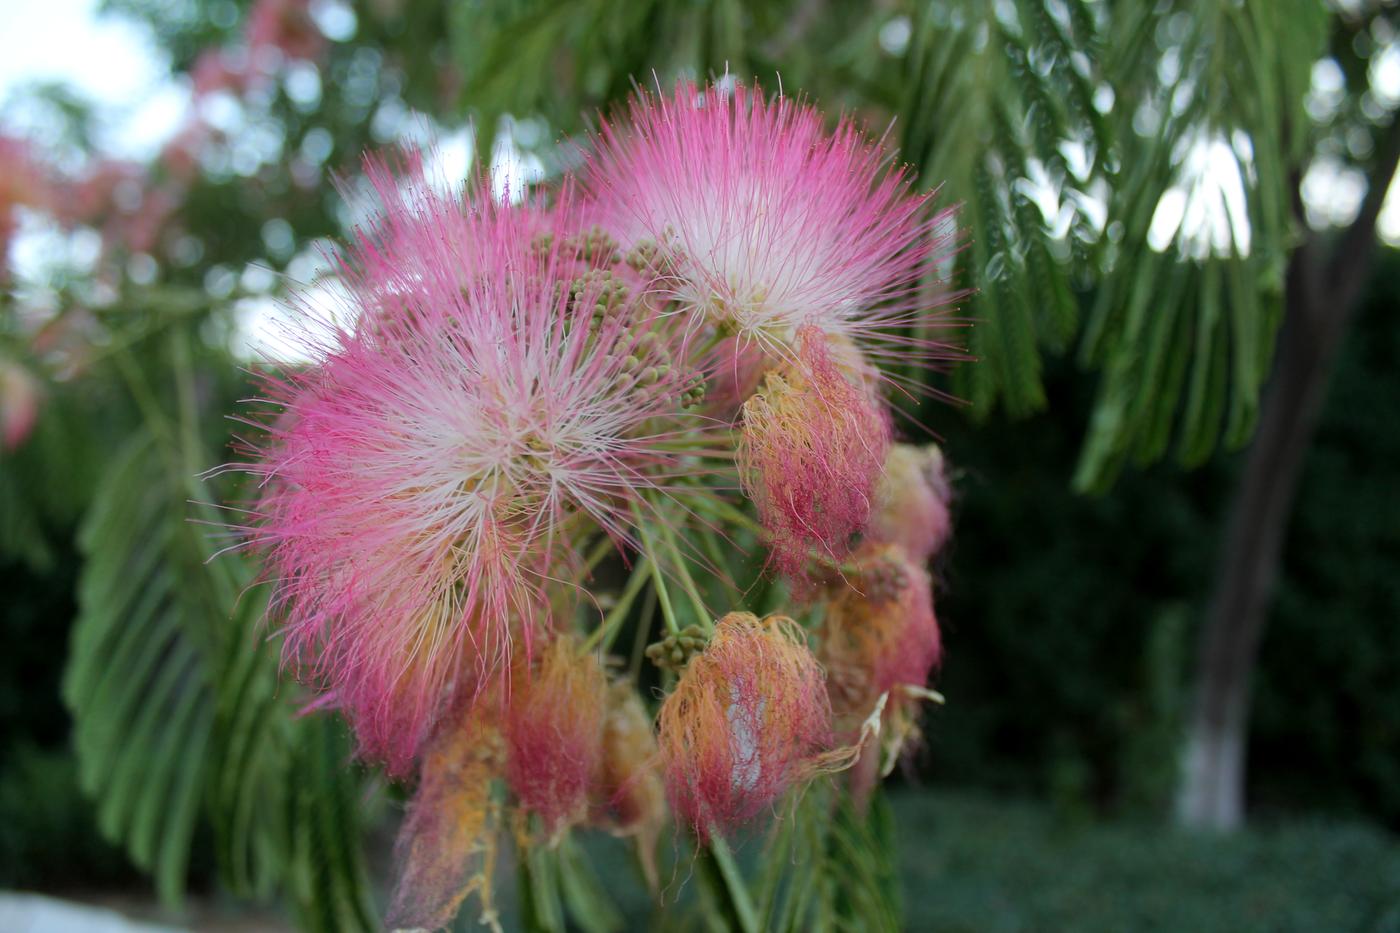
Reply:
x=911, y=501
x=789, y=247
x=749, y=718
x=446, y=848
x=765, y=223
x=880, y=643
x=554, y=733
x=813, y=441
x=425, y=480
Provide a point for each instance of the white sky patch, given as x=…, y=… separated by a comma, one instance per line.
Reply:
x=113, y=61
x=1389, y=221
x=1332, y=192
x=1205, y=213
x=269, y=329
x=1384, y=74
x=512, y=170
x=450, y=159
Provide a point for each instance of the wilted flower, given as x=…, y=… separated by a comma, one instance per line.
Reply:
x=446, y=848
x=813, y=442
x=747, y=720
x=629, y=798
x=765, y=223
x=554, y=732
x=421, y=482
x=911, y=501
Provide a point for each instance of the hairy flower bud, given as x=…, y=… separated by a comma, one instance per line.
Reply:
x=911, y=501
x=812, y=446
x=880, y=642
x=748, y=719
x=554, y=733
x=446, y=848
x=629, y=799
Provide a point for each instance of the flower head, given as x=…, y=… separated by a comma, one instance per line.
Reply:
x=765, y=223
x=749, y=718
x=421, y=482
x=911, y=501
x=880, y=643
x=554, y=732
x=813, y=442
x=446, y=848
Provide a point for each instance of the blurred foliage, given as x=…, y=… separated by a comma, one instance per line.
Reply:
x=1327, y=717
x=975, y=863
x=1067, y=617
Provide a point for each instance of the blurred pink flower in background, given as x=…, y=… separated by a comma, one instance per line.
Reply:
x=19, y=404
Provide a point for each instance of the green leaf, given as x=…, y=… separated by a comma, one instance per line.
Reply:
x=137, y=681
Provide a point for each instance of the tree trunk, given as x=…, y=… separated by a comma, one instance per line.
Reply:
x=1320, y=302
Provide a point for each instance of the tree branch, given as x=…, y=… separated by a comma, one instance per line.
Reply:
x=1347, y=265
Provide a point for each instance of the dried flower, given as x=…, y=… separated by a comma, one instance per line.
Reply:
x=629, y=798
x=748, y=719
x=880, y=642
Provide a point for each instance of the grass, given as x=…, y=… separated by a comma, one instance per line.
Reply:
x=971, y=862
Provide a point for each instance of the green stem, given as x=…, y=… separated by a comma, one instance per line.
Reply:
x=663, y=595
x=723, y=510
x=687, y=581
x=731, y=883
x=639, y=641
x=612, y=622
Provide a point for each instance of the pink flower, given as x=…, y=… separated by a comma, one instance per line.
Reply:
x=424, y=482
x=811, y=449
x=749, y=718
x=554, y=733
x=19, y=405
x=880, y=643
x=911, y=508
x=285, y=25
x=766, y=223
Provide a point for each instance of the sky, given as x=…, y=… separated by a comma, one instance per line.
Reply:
x=109, y=59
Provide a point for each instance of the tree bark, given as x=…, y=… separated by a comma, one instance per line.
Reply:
x=1321, y=296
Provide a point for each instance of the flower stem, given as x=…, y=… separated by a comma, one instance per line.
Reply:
x=607, y=630
x=658, y=579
